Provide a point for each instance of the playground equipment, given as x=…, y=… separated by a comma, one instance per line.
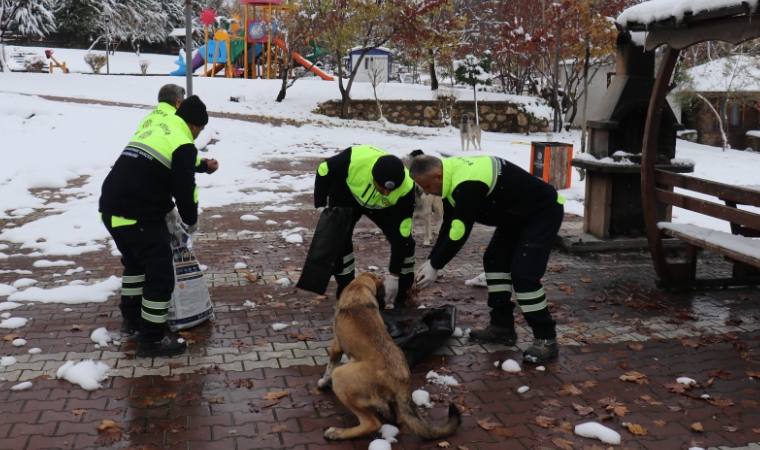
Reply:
x=55, y=63
x=253, y=51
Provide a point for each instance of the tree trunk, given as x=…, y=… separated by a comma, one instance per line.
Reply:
x=720, y=120
x=3, y=64
x=284, y=87
x=477, y=114
x=345, y=94
x=433, y=77
x=584, y=130
x=557, y=107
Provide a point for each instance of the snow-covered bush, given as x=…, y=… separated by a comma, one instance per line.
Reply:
x=95, y=61
x=34, y=63
x=144, y=63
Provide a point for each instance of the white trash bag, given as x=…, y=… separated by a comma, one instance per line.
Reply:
x=191, y=302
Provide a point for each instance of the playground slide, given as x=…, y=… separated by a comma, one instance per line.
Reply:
x=197, y=62
x=303, y=61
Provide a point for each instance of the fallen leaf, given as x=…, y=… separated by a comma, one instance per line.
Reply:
x=637, y=377
x=649, y=400
x=503, y=432
x=444, y=444
x=588, y=384
x=290, y=268
x=659, y=423
x=250, y=277
x=545, y=422
x=717, y=401
x=562, y=444
x=462, y=447
x=722, y=374
x=690, y=343
x=582, y=410
x=275, y=395
x=321, y=297
x=216, y=400
x=303, y=337
x=635, y=346
x=586, y=280
x=78, y=412
x=278, y=427
x=277, y=304
x=748, y=403
x=678, y=388
x=11, y=337
x=636, y=429
x=110, y=432
x=756, y=430
x=569, y=389
x=748, y=373
x=696, y=426
x=486, y=424
x=77, y=328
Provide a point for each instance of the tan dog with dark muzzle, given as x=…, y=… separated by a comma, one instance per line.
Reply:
x=377, y=375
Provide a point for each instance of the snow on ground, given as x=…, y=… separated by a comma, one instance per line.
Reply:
x=87, y=374
x=389, y=432
x=421, y=397
x=97, y=292
x=596, y=430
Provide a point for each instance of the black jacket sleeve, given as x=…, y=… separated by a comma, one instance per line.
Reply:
x=331, y=170
x=470, y=197
x=202, y=167
x=183, y=182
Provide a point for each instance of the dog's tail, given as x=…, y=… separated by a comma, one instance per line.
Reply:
x=423, y=429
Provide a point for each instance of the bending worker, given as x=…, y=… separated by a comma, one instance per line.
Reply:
x=377, y=185
x=156, y=166
x=169, y=98
x=527, y=214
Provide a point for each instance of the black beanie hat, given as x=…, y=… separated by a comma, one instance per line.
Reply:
x=388, y=172
x=193, y=111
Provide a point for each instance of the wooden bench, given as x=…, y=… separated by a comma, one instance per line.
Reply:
x=739, y=247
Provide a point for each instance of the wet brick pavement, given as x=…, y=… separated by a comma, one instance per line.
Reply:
x=612, y=322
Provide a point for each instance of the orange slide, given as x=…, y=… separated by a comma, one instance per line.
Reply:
x=304, y=62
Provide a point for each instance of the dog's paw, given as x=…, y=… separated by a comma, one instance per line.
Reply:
x=333, y=434
x=324, y=383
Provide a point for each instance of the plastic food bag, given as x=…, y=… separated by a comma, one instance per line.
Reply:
x=419, y=332
x=325, y=248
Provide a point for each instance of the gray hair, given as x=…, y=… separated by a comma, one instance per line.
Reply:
x=170, y=93
x=424, y=165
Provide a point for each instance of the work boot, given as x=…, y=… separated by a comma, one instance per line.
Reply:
x=129, y=327
x=164, y=347
x=541, y=351
x=494, y=335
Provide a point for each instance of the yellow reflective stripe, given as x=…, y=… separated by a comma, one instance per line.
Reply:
x=457, y=230
x=534, y=308
x=498, y=276
x=494, y=175
x=117, y=221
x=409, y=260
x=560, y=199
x=195, y=194
x=323, y=169
x=152, y=152
x=407, y=270
x=101, y=217
x=348, y=258
x=348, y=270
x=152, y=318
x=198, y=160
x=406, y=227
x=131, y=291
x=500, y=288
x=132, y=278
x=155, y=305
x=530, y=295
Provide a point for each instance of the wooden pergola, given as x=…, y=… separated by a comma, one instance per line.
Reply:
x=725, y=20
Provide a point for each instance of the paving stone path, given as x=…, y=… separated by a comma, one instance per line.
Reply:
x=612, y=322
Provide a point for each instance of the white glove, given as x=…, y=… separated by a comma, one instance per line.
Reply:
x=174, y=218
x=191, y=229
x=391, y=288
x=426, y=276
x=319, y=210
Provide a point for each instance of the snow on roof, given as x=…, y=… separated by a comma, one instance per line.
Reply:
x=657, y=10
x=383, y=49
x=740, y=73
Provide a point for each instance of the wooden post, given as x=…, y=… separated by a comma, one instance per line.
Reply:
x=245, y=44
x=205, y=57
x=269, y=44
x=649, y=158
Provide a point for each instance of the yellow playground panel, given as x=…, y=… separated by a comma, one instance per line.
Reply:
x=262, y=18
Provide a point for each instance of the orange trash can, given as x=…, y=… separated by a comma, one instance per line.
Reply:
x=550, y=161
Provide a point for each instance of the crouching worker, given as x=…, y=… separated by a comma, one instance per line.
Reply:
x=527, y=214
x=156, y=169
x=377, y=185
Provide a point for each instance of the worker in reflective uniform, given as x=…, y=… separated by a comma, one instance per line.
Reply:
x=527, y=214
x=377, y=185
x=169, y=98
x=156, y=167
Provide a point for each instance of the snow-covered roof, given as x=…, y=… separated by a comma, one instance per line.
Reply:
x=180, y=32
x=739, y=73
x=658, y=10
x=382, y=49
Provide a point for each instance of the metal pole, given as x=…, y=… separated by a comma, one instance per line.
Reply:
x=557, y=108
x=108, y=42
x=189, y=47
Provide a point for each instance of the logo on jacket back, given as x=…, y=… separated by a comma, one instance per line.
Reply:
x=147, y=123
x=385, y=202
x=146, y=134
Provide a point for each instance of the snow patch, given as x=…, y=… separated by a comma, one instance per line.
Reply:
x=249, y=217
x=686, y=380
x=283, y=281
x=101, y=336
x=7, y=361
x=379, y=444
x=23, y=282
x=511, y=365
x=457, y=332
x=446, y=380
x=595, y=430
x=422, y=398
x=96, y=293
x=389, y=433
x=480, y=280
x=87, y=374
x=279, y=326
x=18, y=342
x=240, y=265
x=46, y=263
x=14, y=322
x=34, y=351
x=523, y=389
x=22, y=386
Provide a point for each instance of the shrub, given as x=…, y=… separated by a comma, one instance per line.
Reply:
x=34, y=63
x=144, y=63
x=95, y=61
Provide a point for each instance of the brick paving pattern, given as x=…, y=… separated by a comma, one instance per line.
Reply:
x=612, y=322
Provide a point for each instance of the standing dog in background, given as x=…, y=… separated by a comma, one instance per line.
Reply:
x=425, y=205
x=376, y=376
x=469, y=132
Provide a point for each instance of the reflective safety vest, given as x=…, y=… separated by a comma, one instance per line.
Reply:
x=361, y=184
x=474, y=168
x=158, y=115
x=160, y=140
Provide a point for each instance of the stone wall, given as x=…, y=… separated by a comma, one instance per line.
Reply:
x=500, y=117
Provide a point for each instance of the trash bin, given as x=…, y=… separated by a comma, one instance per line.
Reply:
x=550, y=161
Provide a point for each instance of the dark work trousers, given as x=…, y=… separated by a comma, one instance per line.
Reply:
x=516, y=260
x=389, y=222
x=149, y=270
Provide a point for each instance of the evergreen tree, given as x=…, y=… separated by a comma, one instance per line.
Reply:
x=473, y=71
x=77, y=17
x=25, y=17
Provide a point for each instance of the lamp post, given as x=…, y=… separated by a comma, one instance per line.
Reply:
x=189, y=47
x=108, y=43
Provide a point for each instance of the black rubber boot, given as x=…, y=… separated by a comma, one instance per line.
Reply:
x=541, y=351
x=494, y=335
x=129, y=327
x=164, y=347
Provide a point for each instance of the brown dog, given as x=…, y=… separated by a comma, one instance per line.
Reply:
x=377, y=375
